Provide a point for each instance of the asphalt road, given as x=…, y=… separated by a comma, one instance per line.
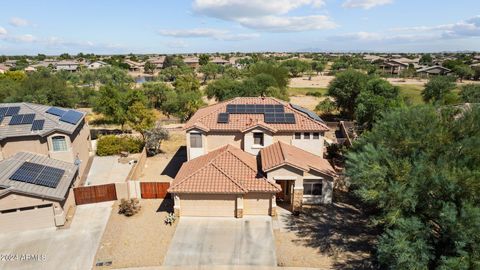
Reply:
x=222, y=241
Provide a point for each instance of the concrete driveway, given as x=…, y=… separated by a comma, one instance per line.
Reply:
x=72, y=248
x=222, y=241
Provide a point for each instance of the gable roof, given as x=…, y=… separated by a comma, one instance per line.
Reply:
x=10, y=165
x=52, y=122
x=425, y=69
x=279, y=154
x=227, y=170
x=207, y=117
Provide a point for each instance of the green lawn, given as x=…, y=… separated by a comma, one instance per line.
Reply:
x=412, y=92
x=296, y=91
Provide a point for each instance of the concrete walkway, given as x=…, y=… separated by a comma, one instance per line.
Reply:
x=105, y=170
x=280, y=222
x=222, y=241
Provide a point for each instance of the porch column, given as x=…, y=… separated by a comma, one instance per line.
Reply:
x=273, y=209
x=297, y=199
x=176, y=205
x=239, y=210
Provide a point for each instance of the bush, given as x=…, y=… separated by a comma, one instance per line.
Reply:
x=170, y=219
x=113, y=145
x=314, y=94
x=129, y=207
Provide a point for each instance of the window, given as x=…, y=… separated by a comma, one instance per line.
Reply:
x=59, y=143
x=316, y=135
x=195, y=140
x=306, y=135
x=258, y=138
x=312, y=188
x=298, y=136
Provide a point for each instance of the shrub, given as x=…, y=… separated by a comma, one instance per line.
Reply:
x=129, y=207
x=112, y=145
x=314, y=94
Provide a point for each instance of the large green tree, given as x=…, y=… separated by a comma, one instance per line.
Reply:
x=419, y=167
x=470, y=93
x=463, y=71
x=438, y=89
x=345, y=88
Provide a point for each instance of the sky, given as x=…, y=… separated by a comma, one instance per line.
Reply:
x=181, y=26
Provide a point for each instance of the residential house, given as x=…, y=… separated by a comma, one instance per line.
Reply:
x=393, y=66
x=135, y=66
x=67, y=65
x=192, y=62
x=219, y=61
x=3, y=68
x=43, y=152
x=97, y=65
x=433, y=70
x=280, y=143
x=158, y=62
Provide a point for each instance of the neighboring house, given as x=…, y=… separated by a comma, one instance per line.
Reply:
x=433, y=70
x=393, y=66
x=66, y=65
x=158, y=62
x=192, y=62
x=219, y=61
x=60, y=134
x=97, y=65
x=135, y=66
x=30, y=69
x=35, y=191
x=3, y=68
x=287, y=139
x=43, y=152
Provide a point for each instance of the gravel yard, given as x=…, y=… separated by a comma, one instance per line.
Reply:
x=335, y=236
x=140, y=240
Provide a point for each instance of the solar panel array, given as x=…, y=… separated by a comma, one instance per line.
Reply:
x=223, y=118
x=273, y=113
x=71, y=117
x=311, y=114
x=56, y=111
x=22, y=119
x=38, y=174
x=8, y=111
x=38, y=124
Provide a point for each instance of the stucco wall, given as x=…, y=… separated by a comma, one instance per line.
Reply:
x=251, y=148
x=215, y=140
x=314, y=146
x=195, y=152
x=14, y=200
x=35, y=144
x=81, y=146
x=287, y=173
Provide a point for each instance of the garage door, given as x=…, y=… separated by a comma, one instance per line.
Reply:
x=257, y=204
x=27, y=219
x=207, y=205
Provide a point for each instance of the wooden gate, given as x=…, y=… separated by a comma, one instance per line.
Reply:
x=154, y=190
x=95, y=194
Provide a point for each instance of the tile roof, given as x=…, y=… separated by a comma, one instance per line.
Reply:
x=227, y=170
x=207, y=117
x=10, y=165
x=279, y=154
x=52, y=122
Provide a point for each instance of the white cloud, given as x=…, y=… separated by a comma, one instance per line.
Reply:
x=3, y=31
x=365, y=4
x=464, y=29
x=18, y=22
x=28, y=38
x=265, y=15
x=177, y=44
x=217, y=34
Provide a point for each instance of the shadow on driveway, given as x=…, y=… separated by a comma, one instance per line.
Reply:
x=341, y=230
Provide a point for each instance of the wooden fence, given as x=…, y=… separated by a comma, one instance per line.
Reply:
x=95, y=194
x=154, y=190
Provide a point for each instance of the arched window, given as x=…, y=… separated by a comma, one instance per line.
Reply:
x=59, y=143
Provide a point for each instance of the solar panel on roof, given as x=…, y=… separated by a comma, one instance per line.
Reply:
x=279, y=108
x=28, y=118
x=38, y=174
x=38, y=124
x=12, y=111
x=56, y=111
x=16, y=119
x=310, y=114
x=71, y=117
x=222, y=118
x=3, y=110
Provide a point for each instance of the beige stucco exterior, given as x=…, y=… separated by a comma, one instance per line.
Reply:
x=215, y=139
x=78, y=145
x=258, y=204
x=37, y=218
x=207, y=205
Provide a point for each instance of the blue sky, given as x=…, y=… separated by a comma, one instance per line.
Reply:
x=118, y=26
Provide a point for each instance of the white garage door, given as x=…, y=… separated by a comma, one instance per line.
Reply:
x=257, y=204
x=207, y=205
x=28, y=219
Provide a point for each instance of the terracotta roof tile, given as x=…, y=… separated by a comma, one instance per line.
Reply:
x=279, y=154
x=225, y=170
x=207, y=117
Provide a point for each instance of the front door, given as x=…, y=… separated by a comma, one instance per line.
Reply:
x=284, y=195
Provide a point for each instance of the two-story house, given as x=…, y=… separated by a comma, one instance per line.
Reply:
x=43, y=152
x=282, y=143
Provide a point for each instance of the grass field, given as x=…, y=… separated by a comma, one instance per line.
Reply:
x=412, y=92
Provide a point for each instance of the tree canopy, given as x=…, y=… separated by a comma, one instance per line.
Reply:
x=470, y=93
x=438, y=89
x=419, y=167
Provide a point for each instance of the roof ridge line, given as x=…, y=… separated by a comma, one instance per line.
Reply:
x=229, y=177
x=254, y=170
